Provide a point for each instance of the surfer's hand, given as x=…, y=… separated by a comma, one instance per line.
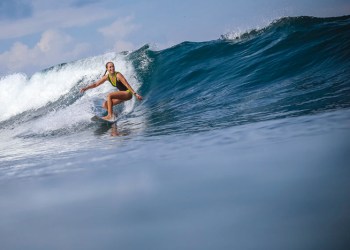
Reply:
x=82, y=90
x=138, y=97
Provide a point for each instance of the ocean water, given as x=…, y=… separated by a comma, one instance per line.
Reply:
x=240, y=143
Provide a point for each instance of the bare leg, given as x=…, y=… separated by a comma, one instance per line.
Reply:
x=119, y=97
x=114, y=102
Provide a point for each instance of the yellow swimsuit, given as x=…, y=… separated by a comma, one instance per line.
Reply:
x=116, y=83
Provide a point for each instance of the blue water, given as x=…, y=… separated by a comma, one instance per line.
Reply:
x=240, y=143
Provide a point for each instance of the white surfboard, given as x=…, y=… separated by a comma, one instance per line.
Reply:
x=99, y=119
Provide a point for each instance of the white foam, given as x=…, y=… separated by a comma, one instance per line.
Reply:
x=18, y=93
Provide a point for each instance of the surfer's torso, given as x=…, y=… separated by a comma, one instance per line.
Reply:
x=113, y=79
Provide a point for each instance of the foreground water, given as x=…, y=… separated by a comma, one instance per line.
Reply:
x=272, y=185
x=240, y=143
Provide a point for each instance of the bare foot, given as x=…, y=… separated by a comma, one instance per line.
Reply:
x=109, y=117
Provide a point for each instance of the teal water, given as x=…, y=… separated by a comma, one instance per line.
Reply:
x=239, y=143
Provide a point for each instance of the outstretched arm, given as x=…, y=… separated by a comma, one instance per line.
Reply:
x=95, y=84
x=125, y=82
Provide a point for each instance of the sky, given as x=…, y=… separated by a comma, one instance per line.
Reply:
x=37, y=34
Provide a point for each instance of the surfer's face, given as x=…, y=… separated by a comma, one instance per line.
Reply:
x=110, y=67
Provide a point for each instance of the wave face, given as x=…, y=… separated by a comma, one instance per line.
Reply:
x=295, y=66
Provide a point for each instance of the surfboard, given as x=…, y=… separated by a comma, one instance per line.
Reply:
x=99, y=119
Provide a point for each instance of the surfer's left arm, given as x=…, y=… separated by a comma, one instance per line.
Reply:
x=125, y=82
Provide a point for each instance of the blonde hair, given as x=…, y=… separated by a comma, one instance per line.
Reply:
x=106, y=67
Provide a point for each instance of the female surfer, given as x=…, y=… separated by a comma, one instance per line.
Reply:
x=117, y=80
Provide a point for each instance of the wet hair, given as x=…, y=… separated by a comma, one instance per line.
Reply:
x=106, y=67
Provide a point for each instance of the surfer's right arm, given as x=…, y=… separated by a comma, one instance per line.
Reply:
x=95, y=84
